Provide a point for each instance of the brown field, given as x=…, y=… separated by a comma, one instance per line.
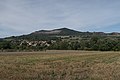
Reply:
x=60, y=65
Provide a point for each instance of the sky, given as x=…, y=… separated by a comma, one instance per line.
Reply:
x=19, y=17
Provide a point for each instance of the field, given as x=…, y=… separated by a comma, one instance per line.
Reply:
x=60, y=65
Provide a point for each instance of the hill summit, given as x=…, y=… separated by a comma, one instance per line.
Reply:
x=61, y=31
x=48, y=34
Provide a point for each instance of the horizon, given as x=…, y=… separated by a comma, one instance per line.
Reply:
x=19, y=17
x=55, y=29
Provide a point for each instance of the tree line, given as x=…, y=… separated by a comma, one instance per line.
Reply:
x=93, y=43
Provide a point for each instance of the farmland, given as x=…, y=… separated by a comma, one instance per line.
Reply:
x=60, y=65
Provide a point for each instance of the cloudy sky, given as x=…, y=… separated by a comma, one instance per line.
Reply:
x=25, y=16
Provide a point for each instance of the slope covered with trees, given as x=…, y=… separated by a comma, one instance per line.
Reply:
x=62, y=39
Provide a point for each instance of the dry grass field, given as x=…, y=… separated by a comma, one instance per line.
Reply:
x=60, y=65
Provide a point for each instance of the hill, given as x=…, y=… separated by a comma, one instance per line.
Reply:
x=62, y=39
x=47, y=34
x=61, y=31
x=57, y=33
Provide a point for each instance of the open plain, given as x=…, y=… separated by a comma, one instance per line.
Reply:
x=60, y=65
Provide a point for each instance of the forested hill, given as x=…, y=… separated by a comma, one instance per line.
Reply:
x=61, y=31
x=56, y=33
x=62, y=39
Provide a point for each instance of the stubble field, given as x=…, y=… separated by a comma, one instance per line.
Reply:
x=60, y=65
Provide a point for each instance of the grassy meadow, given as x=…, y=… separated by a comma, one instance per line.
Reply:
x=60, y=65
